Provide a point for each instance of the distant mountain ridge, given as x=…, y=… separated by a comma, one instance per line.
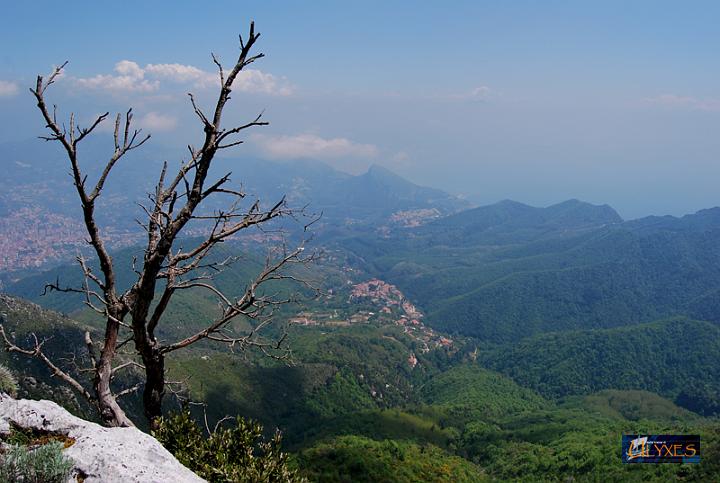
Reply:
x=375, y=194
x=41, y=222
x=508, y=271
x=364, y=198
x=572, y=211
x=510, y=220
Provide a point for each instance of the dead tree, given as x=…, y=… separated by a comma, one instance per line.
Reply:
x=165, y=270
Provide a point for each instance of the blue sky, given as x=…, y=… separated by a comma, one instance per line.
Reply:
x=610, y=102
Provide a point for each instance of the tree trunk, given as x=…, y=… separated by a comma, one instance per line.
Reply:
x=154, y=385
x=110, y=411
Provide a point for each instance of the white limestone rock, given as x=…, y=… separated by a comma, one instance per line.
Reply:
x=100, y=454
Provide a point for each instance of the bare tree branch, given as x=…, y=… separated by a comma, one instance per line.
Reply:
x=36, y=352
x=173, y=204
x=241, y=306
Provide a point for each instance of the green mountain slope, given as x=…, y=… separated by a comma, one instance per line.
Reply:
x=667, y=357
x=476, y=392
x=60, y=336
x=352, y=409
x=358, y=459
x=631, y=405
x=507, y=271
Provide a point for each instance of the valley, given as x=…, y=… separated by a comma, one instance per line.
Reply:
x=502, y=341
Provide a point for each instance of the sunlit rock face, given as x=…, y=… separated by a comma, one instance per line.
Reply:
x=100, y=454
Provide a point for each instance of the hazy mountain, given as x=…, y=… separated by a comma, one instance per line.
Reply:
x=41, y=169
x=40, y=217
x=507, y=271
x=365, y=198
x=511, y=222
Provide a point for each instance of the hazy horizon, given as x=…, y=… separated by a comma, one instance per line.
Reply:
x=611, y=104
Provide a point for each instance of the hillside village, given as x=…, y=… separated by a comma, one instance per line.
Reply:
x=380, y=303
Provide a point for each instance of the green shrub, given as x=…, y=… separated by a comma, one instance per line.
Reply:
x=8, y=383
x=237, y=454
x=43, y=464
x=359, y=459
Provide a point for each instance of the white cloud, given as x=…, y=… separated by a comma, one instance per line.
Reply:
x=129, y=68
x=182, y=74
x=155, y=121
x=130, y=77
x=401, y=159
x=480, y=93
x=685, y=102
x=248, y=80
x=8, y=89
x=252, y=80
x=311, y=146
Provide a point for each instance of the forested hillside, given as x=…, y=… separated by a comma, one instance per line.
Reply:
x=353, y=403
x=677, y=358
x=504, y=272
x=504, y=342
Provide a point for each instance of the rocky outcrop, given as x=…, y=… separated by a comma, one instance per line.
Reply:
x=100, y=454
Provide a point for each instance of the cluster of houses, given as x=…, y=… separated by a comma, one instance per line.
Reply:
x=390, y=307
